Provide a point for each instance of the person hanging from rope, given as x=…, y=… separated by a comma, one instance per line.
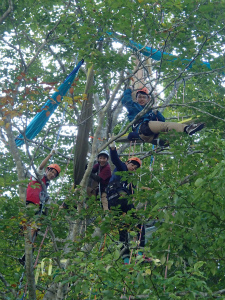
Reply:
x=101, y=173
x=152, y=123
x=117, y=192
x=37, y=195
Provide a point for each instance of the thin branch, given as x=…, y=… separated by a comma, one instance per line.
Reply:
x=43, y=44
x=7, y=12
x=17, y=50
x=192, y=107
x=57, y=58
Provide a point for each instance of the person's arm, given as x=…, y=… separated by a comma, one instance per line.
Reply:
x=94, y=176
x=44, y=162
x=115, y=159
x=127, y=98
x=95, y=168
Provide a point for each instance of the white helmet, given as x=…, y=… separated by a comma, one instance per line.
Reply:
x=104, y=152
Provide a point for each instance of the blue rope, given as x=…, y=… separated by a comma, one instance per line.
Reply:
x=152, y=157
x=23, y=297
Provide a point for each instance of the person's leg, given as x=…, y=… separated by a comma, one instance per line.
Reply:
x=104, y=201
x=123, y=232
x=146, y=134
x=33, y=209
x=34, y=233
x=91, y=191
x=156, y=127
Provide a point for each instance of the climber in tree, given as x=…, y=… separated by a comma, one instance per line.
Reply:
x=37, y=195
x=117, y=192
x=101, y=173
x=148, y=127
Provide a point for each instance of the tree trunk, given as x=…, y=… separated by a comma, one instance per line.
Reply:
x=81, y=148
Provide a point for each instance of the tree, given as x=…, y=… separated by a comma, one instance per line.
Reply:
x=182, y=193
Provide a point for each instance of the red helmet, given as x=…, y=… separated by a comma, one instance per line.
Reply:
x=56, y=167
x=135, y=159
x=144, y=90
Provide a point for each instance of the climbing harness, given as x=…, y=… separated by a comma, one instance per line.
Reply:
x=44, y=197
x=113, y=189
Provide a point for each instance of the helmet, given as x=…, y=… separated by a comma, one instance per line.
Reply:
x=144, y=90
x=135, y=159
x=104, y=152
x=56, y=167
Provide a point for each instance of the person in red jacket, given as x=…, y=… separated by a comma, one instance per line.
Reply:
x=101, y=173
x=37, y=192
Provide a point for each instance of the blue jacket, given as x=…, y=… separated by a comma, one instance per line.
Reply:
x=134, y=108
x=120, y=166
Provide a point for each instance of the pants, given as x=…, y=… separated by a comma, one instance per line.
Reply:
x=123, y=233
x=94, y=192
x=104, y=201
x=149, y=130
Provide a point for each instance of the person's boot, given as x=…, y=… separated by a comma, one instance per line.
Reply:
x=191, y=129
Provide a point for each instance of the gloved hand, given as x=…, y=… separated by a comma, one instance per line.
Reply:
x=54, y=151
x=112, y=144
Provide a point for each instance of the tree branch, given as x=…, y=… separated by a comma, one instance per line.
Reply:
x=7, y=12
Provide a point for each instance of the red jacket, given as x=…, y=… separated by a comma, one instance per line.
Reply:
x=104, y=173
x=33, y=193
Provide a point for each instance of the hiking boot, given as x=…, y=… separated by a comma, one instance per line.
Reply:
x=191, y=129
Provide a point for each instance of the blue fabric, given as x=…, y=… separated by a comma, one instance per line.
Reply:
x=120, y=166
x=156, y=54
x=134, y=108
x=39, y=121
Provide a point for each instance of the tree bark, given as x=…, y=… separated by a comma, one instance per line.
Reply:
x=22, y=194
x=81, y=148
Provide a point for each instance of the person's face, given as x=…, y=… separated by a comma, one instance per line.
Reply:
x=142, y=99
x=102, y=159
x=51, y=174
x=131, y=167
